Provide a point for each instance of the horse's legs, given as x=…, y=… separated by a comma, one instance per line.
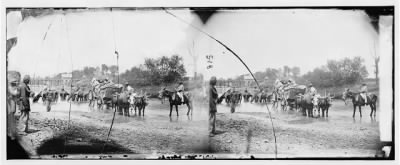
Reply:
x=170, y=111
x=372, y=109
x=176, y=107
x=188, y=108
x=354, y=111
x=323, y=111
x=143, y=107
x=327, y=110
x=359, y=108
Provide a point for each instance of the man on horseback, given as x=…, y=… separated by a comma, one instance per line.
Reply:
x=364, y=93
x=180, y=90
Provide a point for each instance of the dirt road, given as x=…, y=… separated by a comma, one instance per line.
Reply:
x=247, y=131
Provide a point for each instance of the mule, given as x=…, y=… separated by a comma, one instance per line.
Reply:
x=175, y=100
x=358, y=101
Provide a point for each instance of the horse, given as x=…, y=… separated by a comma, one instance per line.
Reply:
x=175, y=100
x=246, y=96
x=359, y=101
x=263, y=97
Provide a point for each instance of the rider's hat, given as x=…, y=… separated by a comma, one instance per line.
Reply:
x=310, y=85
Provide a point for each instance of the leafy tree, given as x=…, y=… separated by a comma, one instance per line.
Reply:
x=295, y=71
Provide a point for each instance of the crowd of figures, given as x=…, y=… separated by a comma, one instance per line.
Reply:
x=287, y=95
x=101, y=93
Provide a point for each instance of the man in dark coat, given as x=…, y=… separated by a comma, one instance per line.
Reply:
x=14, y=148
x=213, y=105
x=24, y=105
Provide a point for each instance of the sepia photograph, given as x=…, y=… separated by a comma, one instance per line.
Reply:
x=146, y=83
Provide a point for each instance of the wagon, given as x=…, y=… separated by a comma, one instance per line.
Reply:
x=290, y=94
x=104, y=95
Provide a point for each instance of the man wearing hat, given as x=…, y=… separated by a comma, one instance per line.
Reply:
x=311, y=90
x=24, y=105
x=14, y=148
x=364, y=93
x=213, y=95
x=127, y=88
x=180, y=90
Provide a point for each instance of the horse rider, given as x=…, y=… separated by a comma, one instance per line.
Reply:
x=180, y=90
x=364, y=93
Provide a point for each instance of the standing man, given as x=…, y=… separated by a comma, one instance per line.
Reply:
x=25, y=106
x=213, y=105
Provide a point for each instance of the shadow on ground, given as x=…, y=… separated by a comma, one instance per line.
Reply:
x=78, y=141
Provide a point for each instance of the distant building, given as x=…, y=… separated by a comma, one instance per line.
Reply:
x=248, y=80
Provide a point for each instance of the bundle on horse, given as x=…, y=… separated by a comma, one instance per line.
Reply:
x=359, y=101
x=175, y=100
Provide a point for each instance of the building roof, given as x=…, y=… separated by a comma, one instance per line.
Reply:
x=248, y=77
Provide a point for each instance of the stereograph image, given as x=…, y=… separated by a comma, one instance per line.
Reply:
x=200, y=83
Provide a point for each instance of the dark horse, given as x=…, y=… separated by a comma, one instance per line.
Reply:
x=174, y=99
x=358, y=101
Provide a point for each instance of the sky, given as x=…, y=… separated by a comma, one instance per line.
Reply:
x=262, y=38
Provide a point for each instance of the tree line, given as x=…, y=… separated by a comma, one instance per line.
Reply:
x=153, y=71
x=334, y=73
